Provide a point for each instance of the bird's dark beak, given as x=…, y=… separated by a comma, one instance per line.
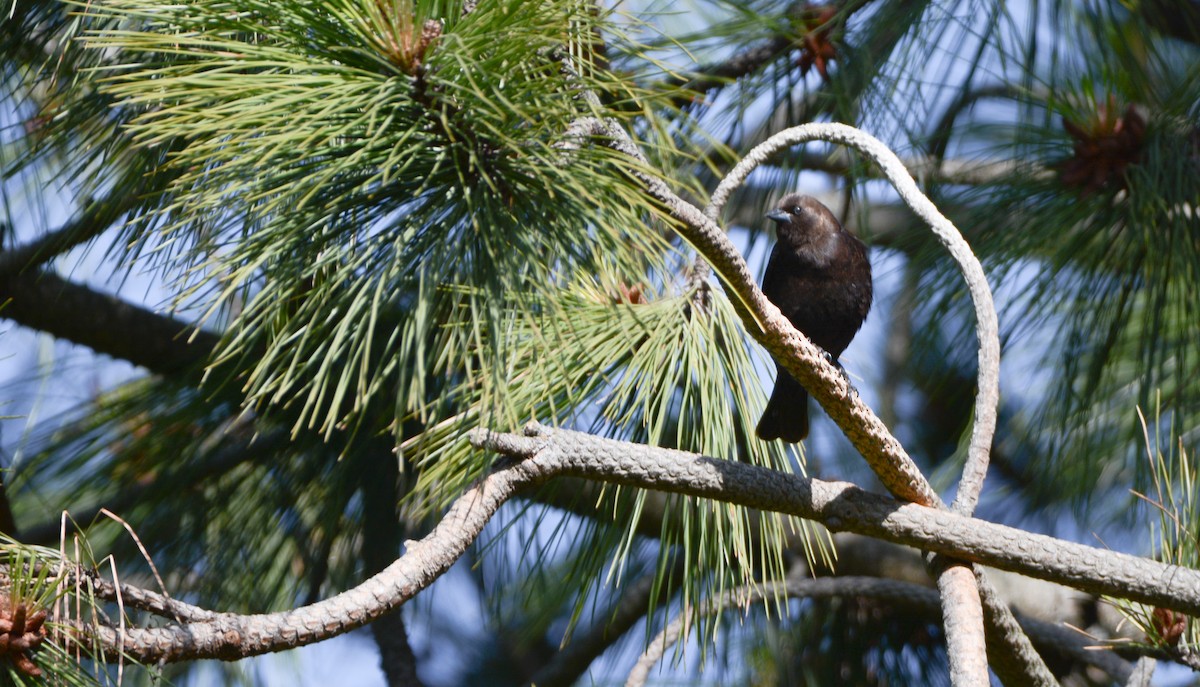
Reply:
x=778, y=216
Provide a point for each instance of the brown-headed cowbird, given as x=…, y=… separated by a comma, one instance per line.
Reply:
x=820, y=277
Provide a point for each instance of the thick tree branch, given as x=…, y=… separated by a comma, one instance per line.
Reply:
x=1010, y=653
x=845, y=507
x=231, y=637
x=104, y=323
x=543, y=454
x=1012, y=656
x=962, y=620
x=928, y=169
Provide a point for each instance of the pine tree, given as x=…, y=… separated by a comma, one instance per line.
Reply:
x=388, y=227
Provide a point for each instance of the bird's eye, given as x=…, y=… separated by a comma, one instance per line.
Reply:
x=796, y=209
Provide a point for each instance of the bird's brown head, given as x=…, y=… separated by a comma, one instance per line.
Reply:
x=804, y=224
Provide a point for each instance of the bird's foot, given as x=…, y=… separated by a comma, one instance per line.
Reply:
x=841, y=370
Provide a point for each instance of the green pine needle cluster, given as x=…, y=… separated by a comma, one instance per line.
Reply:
x=349, y=205
x=38, y=579
x=1174, y=506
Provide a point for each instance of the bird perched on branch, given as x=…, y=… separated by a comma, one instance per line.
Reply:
x=820, y=277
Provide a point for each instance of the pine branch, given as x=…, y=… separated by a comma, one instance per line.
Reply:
x=845, y=507
x=964, y=601
x=715, y=75
x=904, y=595
x=542, y=454
x=795, y=352
x=769, y=327
x=106, y=324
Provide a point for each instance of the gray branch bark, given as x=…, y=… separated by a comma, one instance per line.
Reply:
x=544, y=454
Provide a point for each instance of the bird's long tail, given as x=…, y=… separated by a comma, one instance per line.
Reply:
x=786, y=414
